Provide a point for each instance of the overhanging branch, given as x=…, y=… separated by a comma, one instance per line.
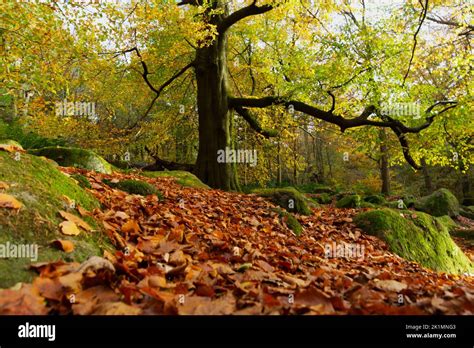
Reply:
x=158, y=90
x=253, y=122
x=245, y=12
x=397, y=127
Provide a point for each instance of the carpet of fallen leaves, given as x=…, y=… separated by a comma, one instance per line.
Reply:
x=213, y=252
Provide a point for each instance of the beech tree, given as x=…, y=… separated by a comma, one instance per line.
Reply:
x=315, y=78
x=216, y=102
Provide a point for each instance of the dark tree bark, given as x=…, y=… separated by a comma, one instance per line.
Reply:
x=215, y=115
x=426, y=176
x=384, y=168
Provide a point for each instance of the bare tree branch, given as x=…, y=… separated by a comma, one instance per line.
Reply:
x=253, y=122
x=158, y=90
x=250, y=10
x=422, y=19
x=191, y=2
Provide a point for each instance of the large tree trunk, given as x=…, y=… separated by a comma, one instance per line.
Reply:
x=426, y=177
x=215, y=123
x=384, y=168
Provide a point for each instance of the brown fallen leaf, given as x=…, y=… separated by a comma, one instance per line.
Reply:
x=122, y=215
x=116, y=308
x=82, y=211
x=177, y=258
x=198, y=305
x=154, y=281
x=64, y=245
x=390, y=285
x=49, y=288
x=25, y=301
x=314, y=299
x=4, y=185
x=7, y=201
x=69, y=228
x=77, y=220
x=131, y=226
x=96, y=263
x=86, y=301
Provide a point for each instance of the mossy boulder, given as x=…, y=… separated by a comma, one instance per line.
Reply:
x=364, y=204
x=289, y=198
x=289, y=220
x=183, y=178
x=439, y=203
x=75, y=157
x=350, y=201
x=409, y=200
x=315, y=188
x=447, y=222
x=466, y=212
x=43, y=191
x=11, y=142
x=375, y=199
x=82, y=181
x=135, y=187
x=417, y=237
x=322, y=198
x=120, y=164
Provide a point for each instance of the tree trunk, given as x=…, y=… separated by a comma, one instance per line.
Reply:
x=279, y=178
x=384, y=169
x=426, y=176
x=215, y=124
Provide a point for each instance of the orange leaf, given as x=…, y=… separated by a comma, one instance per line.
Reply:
x=77, y=220
x=130, y=226
x=69, y=228
x=64, y=245
x=3, y=185
x=7, y=201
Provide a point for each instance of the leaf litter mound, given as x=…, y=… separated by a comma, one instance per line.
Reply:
x=211, y=252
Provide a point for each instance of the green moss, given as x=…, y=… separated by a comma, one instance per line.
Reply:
x=322, y=198
x=409, y=201
x=375, y=199
x=10, y=142
x=416, y=237
x=439, y=203
x=184, y=178
x=75, y=157
x=135, y=187
x=367, y=205
x=119, y=164
x=447, y=222
x=314, y=188
x=289, y=198
x=351, y=201
x=466, y=212
x=289, y=220
x=82, y=180
x=41, y=187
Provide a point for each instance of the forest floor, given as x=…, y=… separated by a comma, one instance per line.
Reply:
x=199, y=251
